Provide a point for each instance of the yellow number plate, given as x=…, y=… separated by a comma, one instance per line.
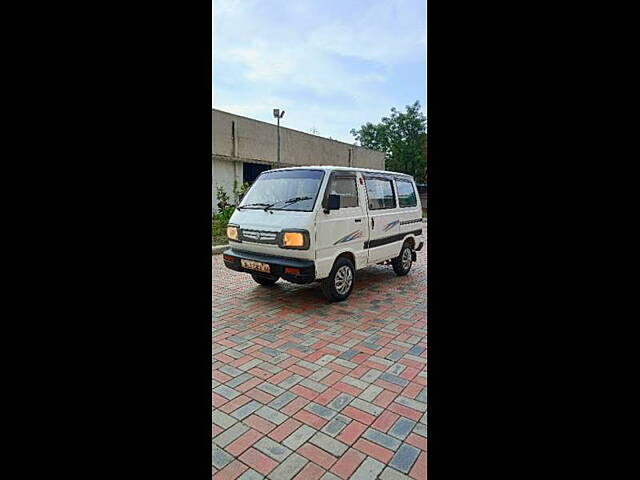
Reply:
x=251, y=265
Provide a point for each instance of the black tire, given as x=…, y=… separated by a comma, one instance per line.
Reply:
x=264, y=280
x=397, y=263
x=329, y=284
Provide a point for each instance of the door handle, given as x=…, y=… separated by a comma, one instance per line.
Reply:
x=373, y=224
x=358, y=220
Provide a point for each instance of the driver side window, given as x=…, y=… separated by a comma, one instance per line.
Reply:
x=347, y=189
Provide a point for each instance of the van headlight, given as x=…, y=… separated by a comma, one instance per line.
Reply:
x=296, y=239
x=232, y=233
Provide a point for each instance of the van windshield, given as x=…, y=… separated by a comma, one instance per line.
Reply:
x=284, y=190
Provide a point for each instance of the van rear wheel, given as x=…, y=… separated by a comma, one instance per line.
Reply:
x=264, y=280
x=402, y=263
x=338, y=285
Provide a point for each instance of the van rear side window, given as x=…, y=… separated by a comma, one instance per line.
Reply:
x=380, y=193
x=406, y=193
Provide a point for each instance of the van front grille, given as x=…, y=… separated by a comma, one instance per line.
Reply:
x=259, y=236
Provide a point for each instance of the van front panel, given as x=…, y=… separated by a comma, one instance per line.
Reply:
x=259, y=229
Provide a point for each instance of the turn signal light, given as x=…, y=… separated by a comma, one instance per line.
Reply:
x=293, y=239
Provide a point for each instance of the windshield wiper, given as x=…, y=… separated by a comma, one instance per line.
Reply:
x=288, y=202
x=255, y=205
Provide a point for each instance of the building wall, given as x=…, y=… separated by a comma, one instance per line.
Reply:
x=238, y=139
x=224, y=172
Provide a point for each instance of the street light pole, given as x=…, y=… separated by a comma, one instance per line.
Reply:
x=278, y=114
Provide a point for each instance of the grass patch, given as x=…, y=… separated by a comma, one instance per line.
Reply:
x=219, y=231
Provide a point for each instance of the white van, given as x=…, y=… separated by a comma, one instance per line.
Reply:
x=307, y=224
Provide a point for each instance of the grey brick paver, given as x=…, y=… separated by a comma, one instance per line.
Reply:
x=315, y=386
x=270, y=389
x=220, y=458
x=289, y=382
x=250, y=364
x=222, y=419
x=289, y=468
x=387, y=377
x=231, y=371
x=396, y=369
x=272, y=449
x=404, y=458
x=330, y=476
x=417, y=350
x=239, y=380
x=246, y=410
x=368, y=470
x=370, y=393
x=345, y=363
x=251, y=474
x=321, y=411
x=420, y=429
x=366, y=407
x=334, y=427
x=401, y=428
x=381, y=439
x=422, y=396
x=320, y=374
x=268, y=367
x=340, y=401
x=349, y=354
x=226, y=392
x=391, y=474
x=229, y=435
x=282, y=400
x=354, y=382
x=271, y=415
x=407, y=402
x=394, y=355
x=298, y=437
x=384, y=363
x=325, y=359
x=308, y=365
x=371, y=376
x=331, y=445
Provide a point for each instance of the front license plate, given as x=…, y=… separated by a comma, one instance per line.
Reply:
x=251, y=265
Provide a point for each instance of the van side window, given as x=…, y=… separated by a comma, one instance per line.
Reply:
x=406, y=193
x=380, y=193
x=347, y=189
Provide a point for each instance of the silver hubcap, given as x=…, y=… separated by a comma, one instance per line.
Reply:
x=406, y=258
x=344, y=279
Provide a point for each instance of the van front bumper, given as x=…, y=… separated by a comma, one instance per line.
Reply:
x=307, y=268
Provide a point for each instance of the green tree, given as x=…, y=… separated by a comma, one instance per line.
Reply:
x=402, y=137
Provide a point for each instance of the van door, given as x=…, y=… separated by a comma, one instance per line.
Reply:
x=344, y=229
x=410, y=209
x=385, y=238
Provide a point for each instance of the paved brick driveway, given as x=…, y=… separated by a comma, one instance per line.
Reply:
x=306, y=390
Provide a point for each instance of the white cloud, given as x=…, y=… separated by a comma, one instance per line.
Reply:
x=308, y=54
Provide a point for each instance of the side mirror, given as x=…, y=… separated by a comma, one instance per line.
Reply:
x=333, y=203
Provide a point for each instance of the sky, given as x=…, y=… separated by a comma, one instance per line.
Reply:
x=331, y=65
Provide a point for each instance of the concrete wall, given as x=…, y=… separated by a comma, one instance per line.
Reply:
x=224, y=172
x=257, y=141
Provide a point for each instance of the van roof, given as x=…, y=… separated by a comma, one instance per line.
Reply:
x=346, y=169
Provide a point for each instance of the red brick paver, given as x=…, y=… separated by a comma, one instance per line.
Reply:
x=336, y=383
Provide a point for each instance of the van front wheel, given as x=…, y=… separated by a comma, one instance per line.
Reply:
x=402, y=263
x=338, y=285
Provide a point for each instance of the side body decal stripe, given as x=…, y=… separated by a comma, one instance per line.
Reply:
x=393, y=238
